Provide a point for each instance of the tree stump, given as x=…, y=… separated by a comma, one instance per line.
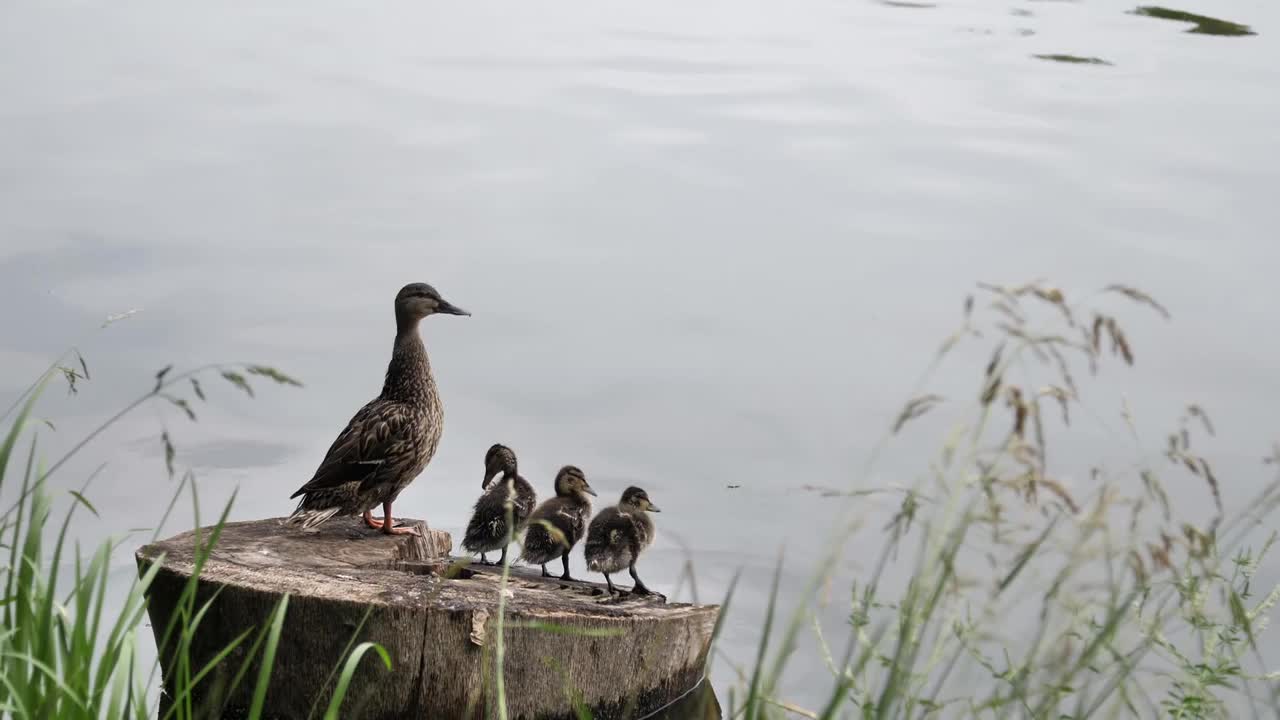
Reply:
x=565, y=642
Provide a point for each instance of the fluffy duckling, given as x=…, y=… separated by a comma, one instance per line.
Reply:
x=488, y=527
x=392, y=438
x=559, y=523
x=617, y=536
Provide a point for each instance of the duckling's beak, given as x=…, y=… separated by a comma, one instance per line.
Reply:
x=488, y=476
x=587, y=489
x=653, y=508
x=449, y=308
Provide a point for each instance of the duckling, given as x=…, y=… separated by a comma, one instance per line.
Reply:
x=618, y=534
x=392, y=438
x=559, y=523
x=488, y=527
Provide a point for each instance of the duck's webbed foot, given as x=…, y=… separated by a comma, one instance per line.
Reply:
x=565, y=559
x=389, y=524
x=387, y=529
x=484, y=560
x=371, y=521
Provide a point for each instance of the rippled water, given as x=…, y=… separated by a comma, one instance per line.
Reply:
x=705, y=245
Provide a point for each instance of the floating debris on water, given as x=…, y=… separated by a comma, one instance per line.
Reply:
x=1202, y=24
x=1074, y=59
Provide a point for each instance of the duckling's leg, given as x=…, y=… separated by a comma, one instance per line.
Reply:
x=389, y=525
x=544, y=571
x=503, y=560
x=609, y=581
x=483, y=559
x=371, y=521
x=639, y=588
x=565, y=559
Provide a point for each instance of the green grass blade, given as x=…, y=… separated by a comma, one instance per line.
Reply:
x=754, y=707
x=349, y=671
x=346, y=652
x=268, y=659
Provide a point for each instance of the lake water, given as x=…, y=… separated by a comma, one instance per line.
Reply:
x=705, y=244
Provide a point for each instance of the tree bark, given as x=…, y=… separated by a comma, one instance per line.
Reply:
x=564, y=641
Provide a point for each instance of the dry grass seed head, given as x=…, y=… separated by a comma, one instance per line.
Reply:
x=1009, y=295
x=1213, y=483
x=1139, y=570
x=1014, y=401
x=1064, y=370
x=1139, y=296
x=994, y=362
x=1195, y=411
x=1057, y=489
x=1054, y=297
x=915, y=408
x=1037, y=424
x=1063, y=397
x=1090, y=352
x=1009, y=311
x=1119, y=343
x=990, y=391
x=1095, y=335
x=1153, y=489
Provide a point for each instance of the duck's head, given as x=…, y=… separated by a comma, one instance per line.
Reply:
x=499, y=459
x=571, y=481
x=418, y=300
x=638, y=499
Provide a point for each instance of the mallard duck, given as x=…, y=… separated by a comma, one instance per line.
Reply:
x=559, y=523
x=392, y=438
x=617, y=536
x=488, y=527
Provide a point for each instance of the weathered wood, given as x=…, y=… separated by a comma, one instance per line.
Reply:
x=437, y=621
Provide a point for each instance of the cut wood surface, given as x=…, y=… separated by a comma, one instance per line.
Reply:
x=622, y=657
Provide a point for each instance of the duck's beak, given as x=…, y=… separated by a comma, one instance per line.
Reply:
x=653, y=508
x=589, y=491
x=488, y=475
x=449, y=308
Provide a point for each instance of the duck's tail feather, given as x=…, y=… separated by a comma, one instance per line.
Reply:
x=310, y=518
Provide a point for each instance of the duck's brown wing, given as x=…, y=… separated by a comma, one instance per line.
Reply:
x=380, y=435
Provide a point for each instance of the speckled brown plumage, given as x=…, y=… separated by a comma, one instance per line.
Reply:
x=559, y=523
x=392, y=438
x=618, y=534
x=488, y=528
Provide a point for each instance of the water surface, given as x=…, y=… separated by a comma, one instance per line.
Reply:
x=705, y=245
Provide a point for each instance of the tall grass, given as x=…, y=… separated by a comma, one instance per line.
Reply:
x=1023, y=594
x=1030, y=597
x=62, y=655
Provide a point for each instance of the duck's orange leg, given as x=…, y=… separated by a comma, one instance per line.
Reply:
x=389, y=525
x=371, y=521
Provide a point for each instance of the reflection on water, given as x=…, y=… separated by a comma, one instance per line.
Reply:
x=1076, y=59
x=1202, y=24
